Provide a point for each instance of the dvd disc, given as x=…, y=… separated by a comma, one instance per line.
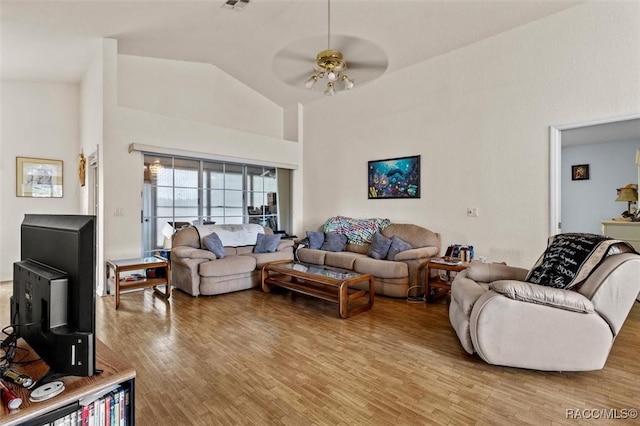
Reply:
x=46, y=391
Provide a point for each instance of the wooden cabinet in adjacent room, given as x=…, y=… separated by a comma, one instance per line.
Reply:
x=621, y=230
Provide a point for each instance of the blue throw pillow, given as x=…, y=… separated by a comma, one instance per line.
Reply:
x=397, y=245
x=316, y=238
x=214, y=245
x=379, y=246
x=334, y=242
x=267, y=243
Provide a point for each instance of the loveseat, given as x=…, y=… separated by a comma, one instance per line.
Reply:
x=197, y=270
x=393, y=274
x=556, y=324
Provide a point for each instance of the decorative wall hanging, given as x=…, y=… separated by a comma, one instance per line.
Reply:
x=82, y=168
x=580, y=172
x=38, y=177
x=395, y=178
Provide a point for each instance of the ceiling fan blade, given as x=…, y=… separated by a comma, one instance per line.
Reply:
x=297, y=79
x=372, y=65
x=297, y=56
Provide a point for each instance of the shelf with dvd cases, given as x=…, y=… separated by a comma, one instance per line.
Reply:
x=94, y=400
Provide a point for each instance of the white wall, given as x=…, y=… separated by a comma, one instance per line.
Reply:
x=195, y=92
x=586, y=203
x=91, y=140
x=38, y=120
x=480, y=118
x=137, y=119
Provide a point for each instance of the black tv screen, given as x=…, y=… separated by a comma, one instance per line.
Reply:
x=56, y=248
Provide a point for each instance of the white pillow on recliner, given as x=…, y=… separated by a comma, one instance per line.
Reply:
x=543, y=295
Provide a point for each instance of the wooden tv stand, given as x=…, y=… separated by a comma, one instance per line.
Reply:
x=77, y=389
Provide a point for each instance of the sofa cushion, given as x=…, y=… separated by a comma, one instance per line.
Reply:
x=231, y=265
x=381, y=268
x=334, y=242
x=316, y=238
x=543, y=295
x=379, y=246
x=267, y=243
x=307, y=255
x=213, y=243
x=397, y=245
x=264, y=258
x=343, y=259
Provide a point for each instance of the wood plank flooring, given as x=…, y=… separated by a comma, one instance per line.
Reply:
x=250, y=358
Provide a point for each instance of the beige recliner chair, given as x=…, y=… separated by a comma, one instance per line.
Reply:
x=510, y=322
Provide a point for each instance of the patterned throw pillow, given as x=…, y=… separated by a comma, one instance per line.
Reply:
x=214, y=244
x=334, y=242
x=397, y=245
x=267, y=243
x=379, y=246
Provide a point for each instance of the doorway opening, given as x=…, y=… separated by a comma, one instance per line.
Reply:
x=616, y=129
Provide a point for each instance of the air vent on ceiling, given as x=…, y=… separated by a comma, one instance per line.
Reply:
x=236, y=4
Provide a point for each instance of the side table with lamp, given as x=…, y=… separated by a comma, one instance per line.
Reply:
x=626, y=228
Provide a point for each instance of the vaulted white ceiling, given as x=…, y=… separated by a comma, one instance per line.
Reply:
x=268, y=46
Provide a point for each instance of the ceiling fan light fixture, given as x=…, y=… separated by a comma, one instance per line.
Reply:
x=348, y=83
x=311, y=81
x=331, y=90
x=330, y=64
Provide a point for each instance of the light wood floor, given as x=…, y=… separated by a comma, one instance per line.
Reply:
x=250, y=358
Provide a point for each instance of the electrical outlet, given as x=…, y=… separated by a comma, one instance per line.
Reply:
x=472, y=211
x=118, y=212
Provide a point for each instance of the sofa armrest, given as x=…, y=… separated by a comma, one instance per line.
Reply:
x=489, y=272
x=465, y=292
x=543, y=295
x=192, y=253
x=417, y=253
x=285, y=245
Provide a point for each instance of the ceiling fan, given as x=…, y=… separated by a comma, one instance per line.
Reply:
x=292, y=63
x=330, y=63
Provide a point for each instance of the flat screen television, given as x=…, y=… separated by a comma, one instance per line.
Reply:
x=53, y=302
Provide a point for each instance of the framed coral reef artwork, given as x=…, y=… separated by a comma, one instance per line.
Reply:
x=394, y=178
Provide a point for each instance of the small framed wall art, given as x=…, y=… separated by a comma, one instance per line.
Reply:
x=38, y=178
x=580, y=172
x=394, y=178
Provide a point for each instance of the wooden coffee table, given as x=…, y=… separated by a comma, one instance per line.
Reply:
x=324, y=282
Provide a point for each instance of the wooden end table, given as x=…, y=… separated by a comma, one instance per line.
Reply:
x=158, y=263
x=433, y=285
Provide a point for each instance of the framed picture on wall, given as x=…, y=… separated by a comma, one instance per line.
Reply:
x=38, y=177
x=580, y=172
x=394, y=178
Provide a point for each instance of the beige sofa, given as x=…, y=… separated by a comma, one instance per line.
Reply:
x=197, y=271
x=391, y=277
x=510, y=322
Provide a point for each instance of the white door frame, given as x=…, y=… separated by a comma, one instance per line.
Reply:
x=555, y=150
